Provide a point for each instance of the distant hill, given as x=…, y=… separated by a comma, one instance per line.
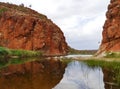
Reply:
x=75, y=51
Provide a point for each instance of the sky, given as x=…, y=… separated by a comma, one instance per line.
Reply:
x=81, y=20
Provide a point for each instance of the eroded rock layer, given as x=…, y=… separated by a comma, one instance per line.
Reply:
x=111, y=29
x=23, y=28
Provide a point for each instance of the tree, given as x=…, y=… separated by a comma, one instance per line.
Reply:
x=30, y=6
x=22, y=5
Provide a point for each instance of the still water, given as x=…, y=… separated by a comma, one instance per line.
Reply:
x=77, y=56
x=79, y=76
x=53, y=74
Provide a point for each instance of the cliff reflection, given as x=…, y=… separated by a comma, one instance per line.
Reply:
x=43, y=74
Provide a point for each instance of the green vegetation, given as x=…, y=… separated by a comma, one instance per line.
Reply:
x=101, y=63
x=2, y=10
x=112, y=55
x=5, y=52
x=18, y=56
x=66, y=60
x=16, y=61
x=25, y=53
x=112, y=68
x=74, y=51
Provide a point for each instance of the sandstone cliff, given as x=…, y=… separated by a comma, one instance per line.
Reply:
x=23, y=28
x=111, y=29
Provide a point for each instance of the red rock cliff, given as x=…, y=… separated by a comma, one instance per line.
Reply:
x=23, y=28
x=111, y=29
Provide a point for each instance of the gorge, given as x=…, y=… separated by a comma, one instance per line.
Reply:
x=22, y=28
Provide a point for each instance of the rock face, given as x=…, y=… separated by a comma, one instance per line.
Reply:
x=111, y=29
x=23, y=28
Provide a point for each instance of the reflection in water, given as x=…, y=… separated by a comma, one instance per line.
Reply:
x=80, y=76
x=40, y=74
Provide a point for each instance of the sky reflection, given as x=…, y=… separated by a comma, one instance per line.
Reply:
x=79, y=76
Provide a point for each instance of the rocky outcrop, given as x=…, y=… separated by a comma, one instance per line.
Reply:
x=111, y=29
x=23, y=28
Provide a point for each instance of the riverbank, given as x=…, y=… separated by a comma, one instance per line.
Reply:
x=81, y=57
x=15, y=53
x=111, y=69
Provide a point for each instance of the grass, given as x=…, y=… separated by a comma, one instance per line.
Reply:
x=102, y=63
x=112, y=67
x=5, y=52
x=16, y=61
x=25, y=53
x=66, y=60
x=112, y=55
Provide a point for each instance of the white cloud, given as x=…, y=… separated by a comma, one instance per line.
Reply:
x=80, y=20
